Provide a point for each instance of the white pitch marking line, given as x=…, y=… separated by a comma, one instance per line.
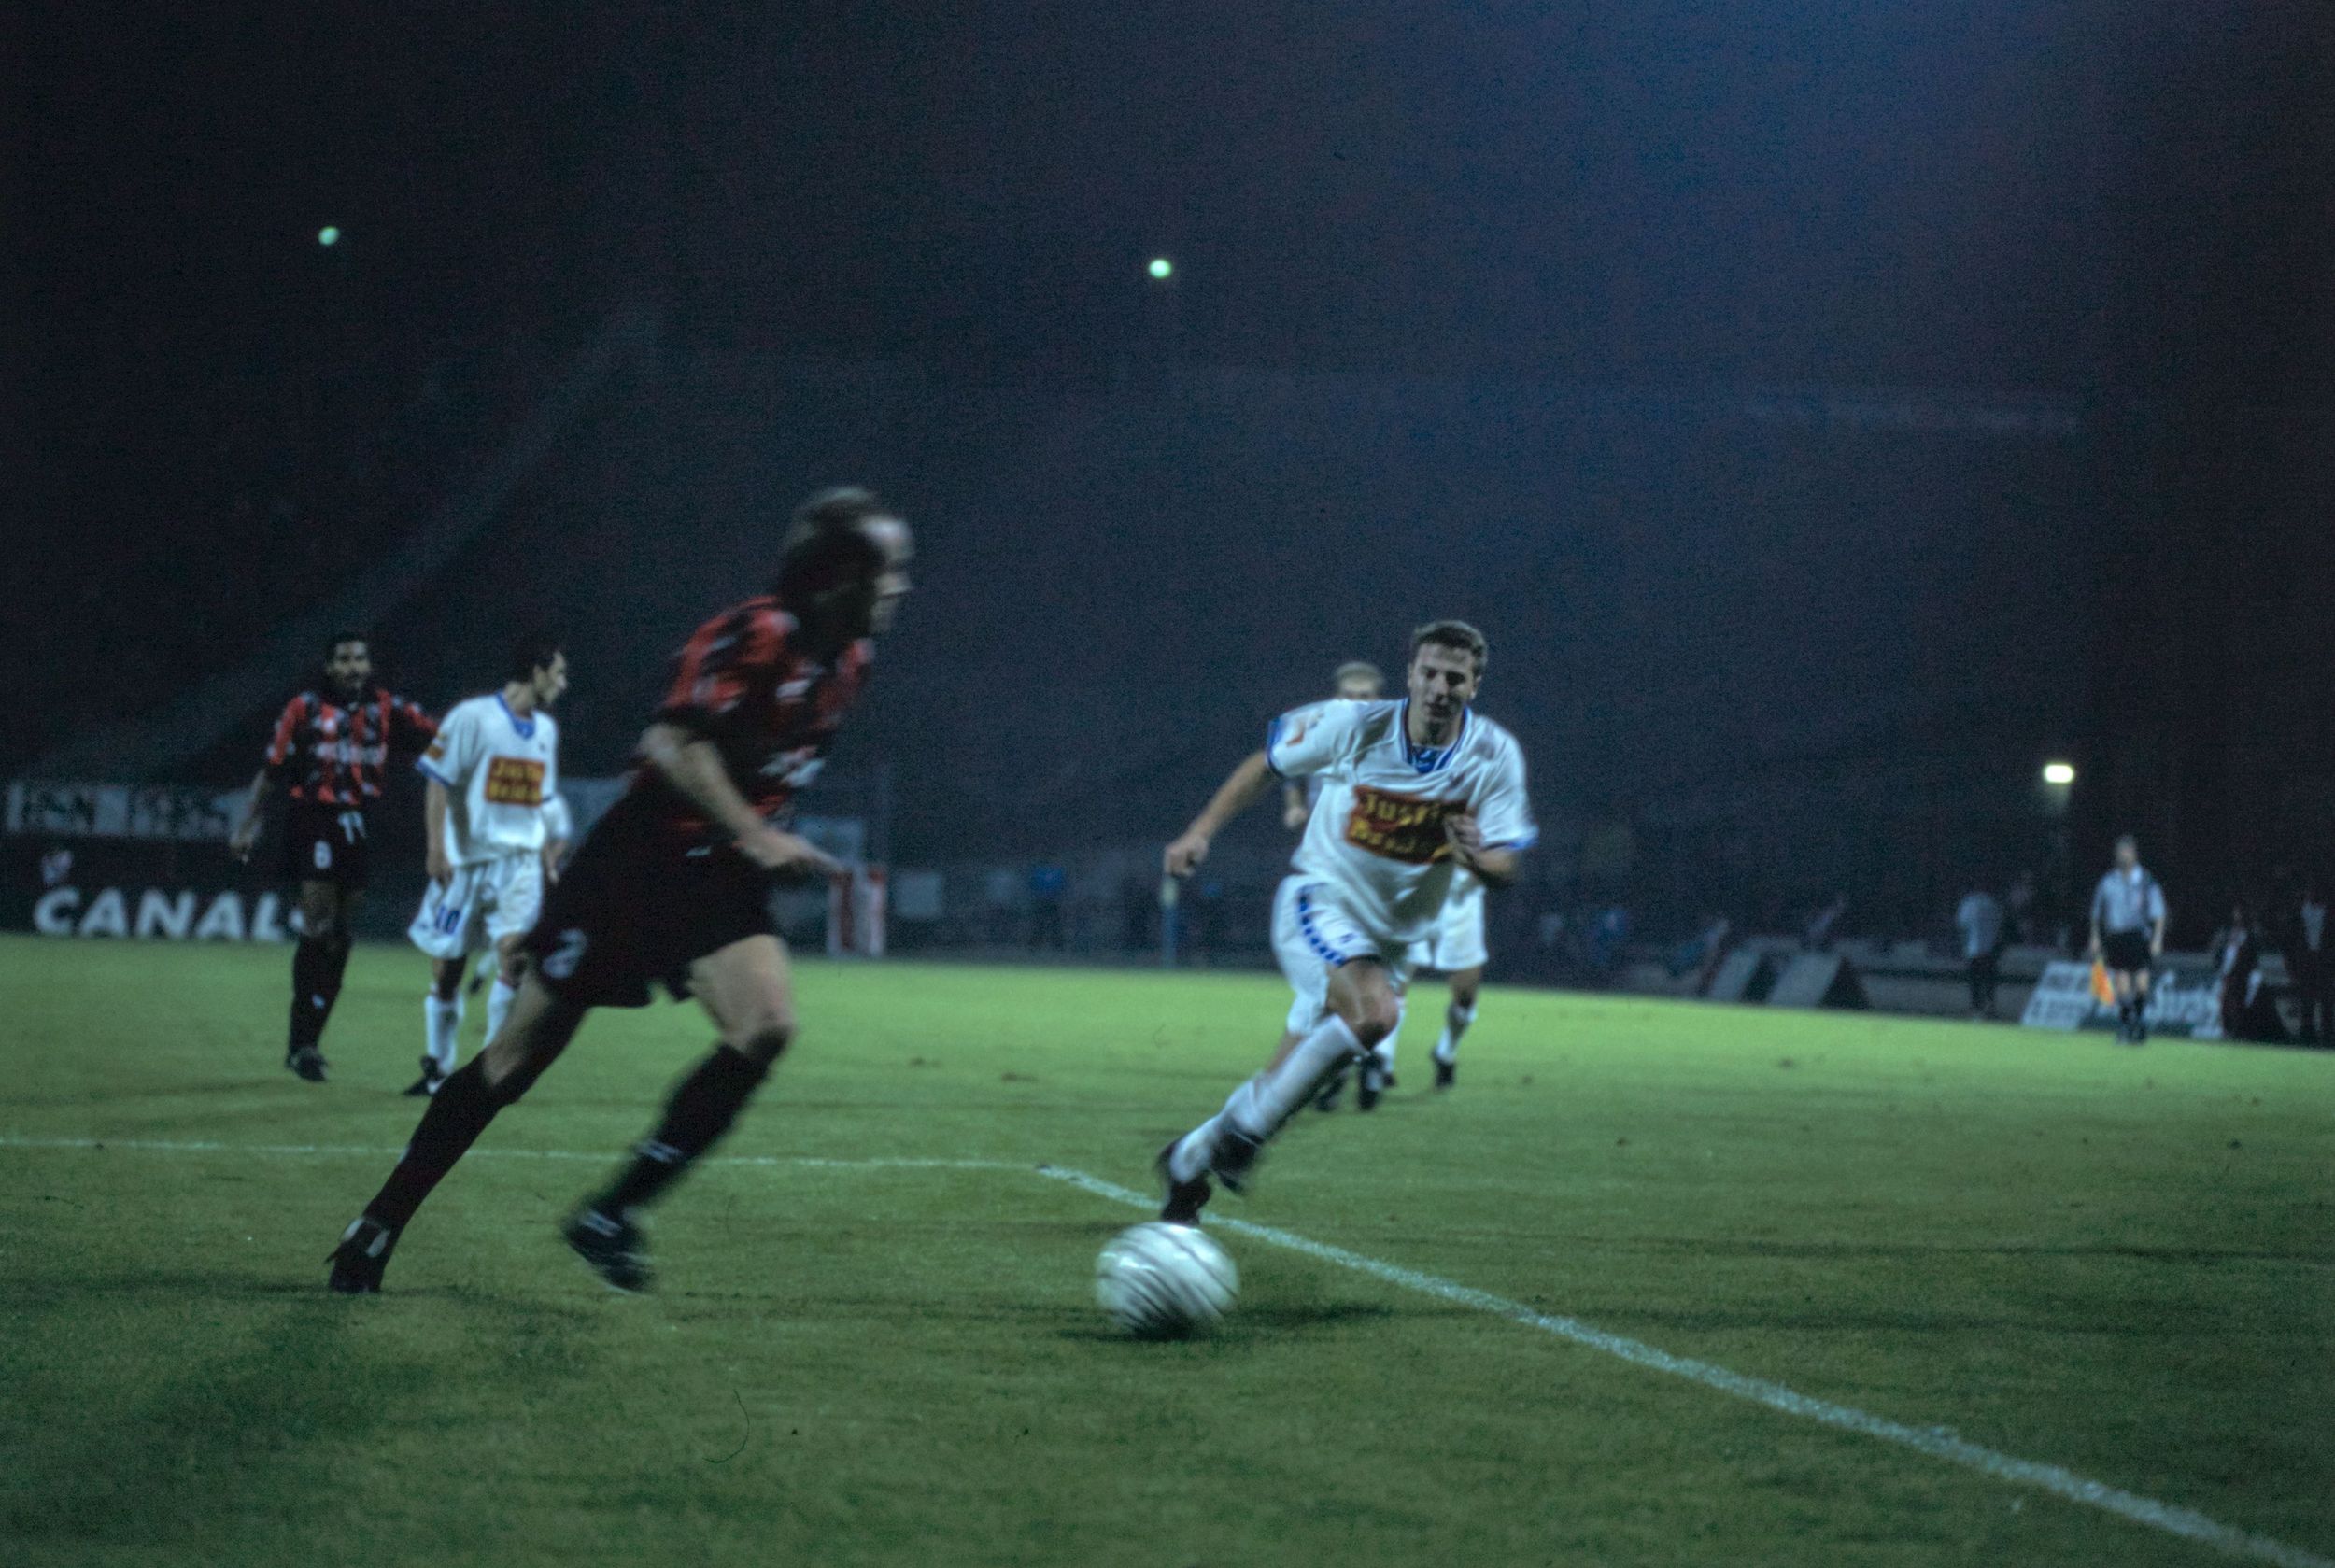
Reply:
x=1936, y=1442
x=155, y=1146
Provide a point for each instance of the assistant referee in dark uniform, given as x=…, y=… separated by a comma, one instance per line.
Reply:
x=2128, y=935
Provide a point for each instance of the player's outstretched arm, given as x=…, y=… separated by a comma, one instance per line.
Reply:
x=1237, y=794
x=690, y=764
x=246, y=832
x=433, y=809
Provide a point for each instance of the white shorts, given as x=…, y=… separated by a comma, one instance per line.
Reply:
x=486, y=901
x=1312, y=935
x=1458, y=942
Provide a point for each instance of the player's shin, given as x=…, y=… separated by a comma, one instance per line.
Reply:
x=308, y=1002
x=1382, y=1053
x=1455, y=1022
x=443, y=1022
x=499, y=1002
x=1259, y=1107
x=457, y=1115
x=700, y=1109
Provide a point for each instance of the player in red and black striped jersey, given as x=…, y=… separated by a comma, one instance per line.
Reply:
x=329, y=753
x=672, y=885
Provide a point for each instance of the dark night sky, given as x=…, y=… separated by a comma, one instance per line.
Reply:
x=2072, y=204
x=2048, y=196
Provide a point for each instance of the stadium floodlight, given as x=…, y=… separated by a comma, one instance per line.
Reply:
x=328, y=235
x=2058, y=773
x=1161, y=268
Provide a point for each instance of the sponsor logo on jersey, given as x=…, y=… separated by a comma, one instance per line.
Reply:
x=1400, y=827
x=515, y=781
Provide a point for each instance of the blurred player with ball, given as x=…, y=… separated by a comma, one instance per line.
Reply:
x=1414, y=792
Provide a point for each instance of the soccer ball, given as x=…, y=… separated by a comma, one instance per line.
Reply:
x=1158, y=1280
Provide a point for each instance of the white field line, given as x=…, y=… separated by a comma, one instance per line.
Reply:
x=606, y=1157
x=1935, y=1442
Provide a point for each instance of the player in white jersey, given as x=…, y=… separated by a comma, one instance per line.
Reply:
x=496, y=827
x=1413, y=792
x=1457, y=952
x=1357, y=680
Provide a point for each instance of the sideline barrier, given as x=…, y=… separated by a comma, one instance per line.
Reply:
x=1818, y=980
x=2184, y=999
x=1744, y=976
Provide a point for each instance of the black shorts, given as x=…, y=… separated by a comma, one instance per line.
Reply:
x=2126, y=951
x=325, y=843
x=637, y=906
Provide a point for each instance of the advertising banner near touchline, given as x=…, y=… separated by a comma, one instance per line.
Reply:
x=150, y=888
x=2184, y=999
x=149, y=861
x=178, y=813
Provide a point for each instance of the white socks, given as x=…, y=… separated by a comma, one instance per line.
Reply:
x=1455, y=1022
x=499, y=1002
x=444, y=1017
x=1259, y=1107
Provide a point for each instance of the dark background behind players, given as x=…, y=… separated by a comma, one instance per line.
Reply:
x=1833, y=421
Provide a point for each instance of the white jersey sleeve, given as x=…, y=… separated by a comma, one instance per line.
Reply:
x=454, y=753
x=1315, y=737
x=559, y=826
x=551, y=802
x=1503, y=814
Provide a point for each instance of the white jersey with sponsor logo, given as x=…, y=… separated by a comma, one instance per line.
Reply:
x=503, y=771
x=1376, y=833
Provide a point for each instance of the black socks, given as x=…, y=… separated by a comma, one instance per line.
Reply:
x=319, y=963
x=458, y=1113
x=699, y=1112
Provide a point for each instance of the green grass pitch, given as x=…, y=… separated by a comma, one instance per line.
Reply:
x=2109, y=1260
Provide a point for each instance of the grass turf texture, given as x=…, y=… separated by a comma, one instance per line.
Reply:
x=2112, y=1260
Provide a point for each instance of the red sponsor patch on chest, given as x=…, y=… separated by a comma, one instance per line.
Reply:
x=515, y=781
x=1400, y=827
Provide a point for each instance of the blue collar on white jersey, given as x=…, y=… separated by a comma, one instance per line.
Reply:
x=1430, y=760
x=526, y=727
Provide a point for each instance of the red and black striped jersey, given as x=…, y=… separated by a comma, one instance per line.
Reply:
x=333, y=752
x=770, y=710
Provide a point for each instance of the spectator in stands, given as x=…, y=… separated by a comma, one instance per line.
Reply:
x=2247, y=1012
x=2018, y=911
x=1979, y=918
x=2310, y=960
x=1049, y=884
x=1607, y=936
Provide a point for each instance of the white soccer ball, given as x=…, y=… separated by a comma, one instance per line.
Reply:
x=1158, y=1280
